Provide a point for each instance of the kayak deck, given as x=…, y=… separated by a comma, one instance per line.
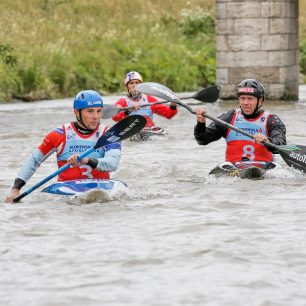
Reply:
x=148, y=132
x=74, y=187
x=244, y=170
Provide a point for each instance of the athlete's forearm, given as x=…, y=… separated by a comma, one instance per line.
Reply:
x=277, y=131
x=164, y=111
x=31, y=165
x=205, y=135
x=110, y=161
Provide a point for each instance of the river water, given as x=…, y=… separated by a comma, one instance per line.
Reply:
x=178, y=237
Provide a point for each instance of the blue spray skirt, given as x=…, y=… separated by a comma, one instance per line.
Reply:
x=79, y=186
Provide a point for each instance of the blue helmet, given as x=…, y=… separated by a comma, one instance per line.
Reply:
x=87, y=99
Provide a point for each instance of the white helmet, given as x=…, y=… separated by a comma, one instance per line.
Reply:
x=132, y=75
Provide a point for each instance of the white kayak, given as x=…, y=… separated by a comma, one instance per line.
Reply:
x=148, y=132
x=77, y=187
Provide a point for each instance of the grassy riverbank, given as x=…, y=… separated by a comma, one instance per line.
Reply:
x=51, y=49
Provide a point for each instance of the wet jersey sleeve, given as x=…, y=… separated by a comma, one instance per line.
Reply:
x=39, y=155
x=111, y=159
x=276, y=130
x=214, y=131
x=121, y=115
x=162, y=109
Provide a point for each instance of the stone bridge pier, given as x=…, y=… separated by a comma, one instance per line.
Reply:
x=258, y=39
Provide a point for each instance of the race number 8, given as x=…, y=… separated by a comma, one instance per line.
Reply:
x=248, y=151
x=86, y=171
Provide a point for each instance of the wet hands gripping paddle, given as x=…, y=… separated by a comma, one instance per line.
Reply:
x=120, y=131
x=293, y=155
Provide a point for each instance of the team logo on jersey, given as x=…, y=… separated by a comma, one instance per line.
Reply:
x=239, y=118
x=78, y=148
x=251, y=130
x=71, y=136
x=97, y=134
x=262, y=119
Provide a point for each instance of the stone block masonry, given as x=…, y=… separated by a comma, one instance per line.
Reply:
x=258, y=39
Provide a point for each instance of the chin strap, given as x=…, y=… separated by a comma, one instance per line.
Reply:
x=81, y=121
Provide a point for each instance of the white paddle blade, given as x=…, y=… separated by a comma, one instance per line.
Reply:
x=157, y=90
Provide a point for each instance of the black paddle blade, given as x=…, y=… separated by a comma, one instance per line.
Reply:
x=210, y=94
x=294, y=156
x=157, y=90
x=124, y=129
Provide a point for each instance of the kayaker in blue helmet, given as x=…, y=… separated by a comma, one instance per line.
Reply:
x=250, y=117
x=72, y=139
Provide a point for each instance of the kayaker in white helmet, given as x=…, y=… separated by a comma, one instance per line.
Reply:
x=135, y=100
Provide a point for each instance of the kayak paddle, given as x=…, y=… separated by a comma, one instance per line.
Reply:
x=293, y=155
x=208, y=95
x=120, y=131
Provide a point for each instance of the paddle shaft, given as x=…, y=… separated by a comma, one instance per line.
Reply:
x=209, y=94
x=48, y=178
x=268, y=144
x=294, y=155
x=110, y=110
x=196, y=96
x=191, y=110
x=167, y=94
x=150, y=104
x=142, y=105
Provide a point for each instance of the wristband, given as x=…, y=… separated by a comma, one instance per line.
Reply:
x=18, y=183
x=92, y=162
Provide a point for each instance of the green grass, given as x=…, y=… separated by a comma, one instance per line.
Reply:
x=51, y=49
x=54, y=48
x=302, y=34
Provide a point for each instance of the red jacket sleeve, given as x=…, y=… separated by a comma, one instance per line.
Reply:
x=162, y=109
x=52, y=141
x=120, y=104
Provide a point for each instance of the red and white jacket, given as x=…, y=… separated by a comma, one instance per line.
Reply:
x=67, y=141
x=159, y=109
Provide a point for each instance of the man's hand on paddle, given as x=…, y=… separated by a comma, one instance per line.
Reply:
x=12, y=195
x=135, y=107
x=73, y=161
x=259, y=138
x=200, y=111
